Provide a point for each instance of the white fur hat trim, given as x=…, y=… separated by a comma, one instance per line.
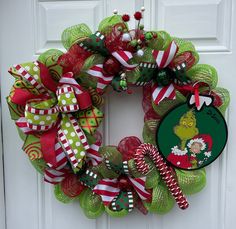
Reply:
x=179, y=152
x=197, y=140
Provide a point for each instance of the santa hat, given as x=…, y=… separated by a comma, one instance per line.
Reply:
x=202, y=139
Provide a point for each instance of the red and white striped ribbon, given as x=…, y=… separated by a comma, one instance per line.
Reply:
x=54, y=176
x=68, y=79
x=23, y=125
x=139, y=186
x=70, y=153
x=164, y=58
x=93, y=154
x=30, y=79
x=103, y=80
x=108, y=189
x=123, y=57
x=61, y=158
x=79, y=132
x=28, y=128
x=36, y=111
x=161, y=92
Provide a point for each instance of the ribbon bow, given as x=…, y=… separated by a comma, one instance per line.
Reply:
x=114, y=191
x=48, y=113
x=164, y=59
x=124, y=191
x=97, y=43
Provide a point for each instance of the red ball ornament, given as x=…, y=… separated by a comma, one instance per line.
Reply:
x=71, y=186
x=125, y=17
x=138, y=15
x=111, y=66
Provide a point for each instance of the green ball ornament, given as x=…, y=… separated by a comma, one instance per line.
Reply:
x=163, y=77
x=148, y=36
x=133, y=43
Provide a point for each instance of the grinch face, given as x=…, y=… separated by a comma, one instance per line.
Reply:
x=196, y=147
x=187, y=126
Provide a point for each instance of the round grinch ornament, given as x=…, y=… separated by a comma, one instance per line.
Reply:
x=192, y=135
x=57, y=103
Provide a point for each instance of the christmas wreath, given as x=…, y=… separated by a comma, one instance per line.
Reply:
x=56, y=103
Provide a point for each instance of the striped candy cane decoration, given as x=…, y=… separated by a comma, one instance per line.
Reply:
x=161, y=92
x=165, y=171
x=103, y=80
x=164, y=58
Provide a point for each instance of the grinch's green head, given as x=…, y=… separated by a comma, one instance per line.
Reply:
x=186, y=129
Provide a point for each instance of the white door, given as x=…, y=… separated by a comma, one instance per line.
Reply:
x=29, y=27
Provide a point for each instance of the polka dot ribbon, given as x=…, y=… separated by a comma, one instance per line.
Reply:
x=50, y=113
x=165, y=171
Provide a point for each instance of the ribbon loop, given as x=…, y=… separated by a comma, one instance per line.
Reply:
x=67, y=101
x=165, y=57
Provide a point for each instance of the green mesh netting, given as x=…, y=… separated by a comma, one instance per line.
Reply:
x=162, y=200
x=225, y=97
x=74, y=34
x=161, y=42
x=60, y=195
x=204, y=73
x=191, y=182
x=106, y=24
x=49, y=59
x=91, y=204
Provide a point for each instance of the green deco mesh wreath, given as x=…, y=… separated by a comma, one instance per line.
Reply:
x=56, y=103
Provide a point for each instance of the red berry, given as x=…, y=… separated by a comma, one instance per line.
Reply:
x=154, y=35
x=142, y=37
x=125, y=17
x=138, y=15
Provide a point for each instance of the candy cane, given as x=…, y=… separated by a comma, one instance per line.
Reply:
x=165, y=171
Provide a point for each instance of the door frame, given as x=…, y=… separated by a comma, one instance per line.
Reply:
x=2, y=180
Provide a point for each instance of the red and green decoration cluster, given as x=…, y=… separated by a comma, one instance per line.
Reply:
x=56, y=103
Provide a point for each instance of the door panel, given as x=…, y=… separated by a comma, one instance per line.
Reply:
x=29, y=27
